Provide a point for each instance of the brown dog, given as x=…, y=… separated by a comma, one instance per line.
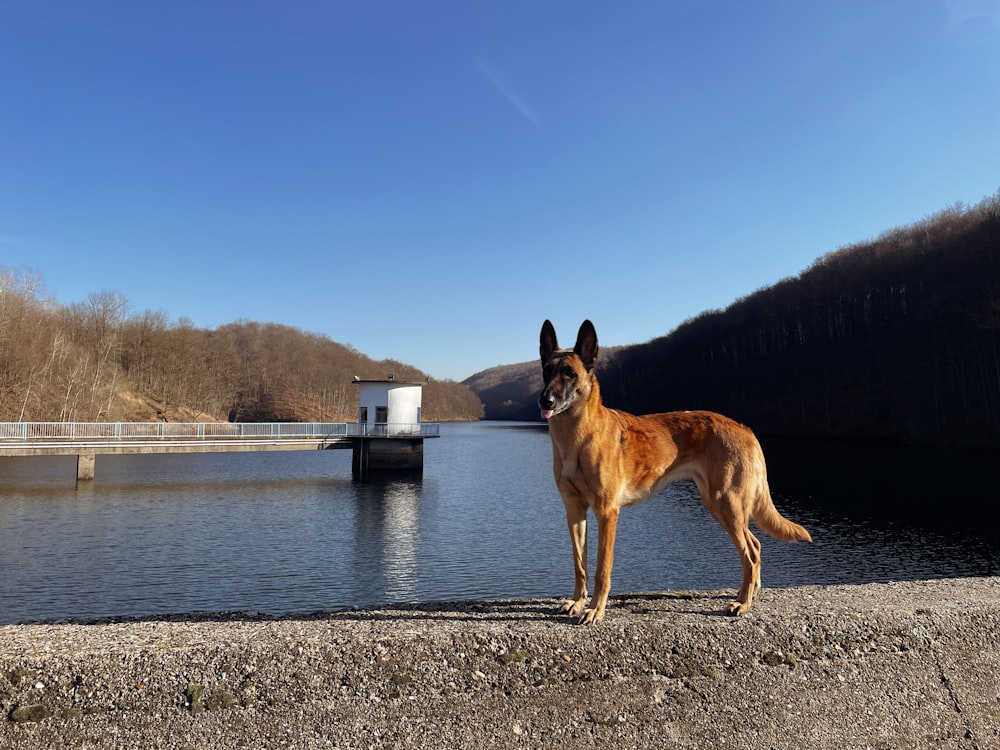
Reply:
x=604, y=459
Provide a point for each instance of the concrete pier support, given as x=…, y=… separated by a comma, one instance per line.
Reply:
x=375, y=455
x=359, y=458
x=85, y=466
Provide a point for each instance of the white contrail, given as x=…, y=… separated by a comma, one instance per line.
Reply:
x=507, y=93
x=961, y=12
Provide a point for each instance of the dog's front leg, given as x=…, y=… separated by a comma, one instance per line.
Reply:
x=607, y=527
x=576, y=519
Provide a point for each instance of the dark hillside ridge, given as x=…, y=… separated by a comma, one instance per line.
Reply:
x=895, y=339
x=508, y=391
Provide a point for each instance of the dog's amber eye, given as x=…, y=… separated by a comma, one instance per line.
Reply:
x=568, y=372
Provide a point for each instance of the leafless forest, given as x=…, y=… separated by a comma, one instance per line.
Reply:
x=96, y=360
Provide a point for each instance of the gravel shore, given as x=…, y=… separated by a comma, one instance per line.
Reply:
x=900, y=665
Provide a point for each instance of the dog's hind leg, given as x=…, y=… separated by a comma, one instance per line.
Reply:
x=727, y=509
x=748, y=547
x=576, y=519
x=750, y=559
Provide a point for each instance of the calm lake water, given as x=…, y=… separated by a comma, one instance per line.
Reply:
x=291, y=532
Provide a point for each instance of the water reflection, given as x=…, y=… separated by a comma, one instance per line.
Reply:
x=886, y=484
x=387, y=526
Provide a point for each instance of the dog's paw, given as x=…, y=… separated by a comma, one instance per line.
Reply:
x=591, y=616
x=737, y=608
x=573, y=607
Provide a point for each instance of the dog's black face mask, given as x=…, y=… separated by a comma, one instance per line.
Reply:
x=561, y=384
x=566, y=373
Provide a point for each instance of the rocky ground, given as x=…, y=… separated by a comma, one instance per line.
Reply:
x=902, y=665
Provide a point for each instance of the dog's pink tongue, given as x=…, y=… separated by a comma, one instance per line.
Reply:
x=546, y=413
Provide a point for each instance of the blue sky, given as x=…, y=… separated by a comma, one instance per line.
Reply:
x=428, y=181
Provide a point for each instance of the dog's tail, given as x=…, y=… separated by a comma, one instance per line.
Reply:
x=775, y=524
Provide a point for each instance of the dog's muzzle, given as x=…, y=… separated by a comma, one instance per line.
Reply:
x=545, y=406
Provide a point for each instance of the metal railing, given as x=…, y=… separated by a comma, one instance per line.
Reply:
x=125, y=431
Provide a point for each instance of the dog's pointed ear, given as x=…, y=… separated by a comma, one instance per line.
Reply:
x=586, y=344
x=547, y=342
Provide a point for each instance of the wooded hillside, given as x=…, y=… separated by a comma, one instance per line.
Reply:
x=95, y=361
x=895, y=338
